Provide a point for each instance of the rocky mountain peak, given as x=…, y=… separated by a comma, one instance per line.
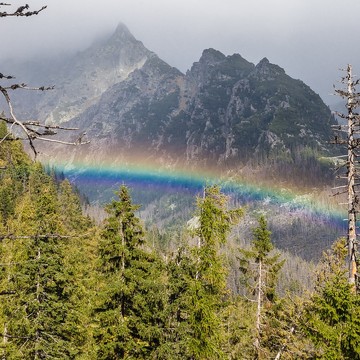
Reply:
x=267, y=71
x=122, y=31
x=83, y=77
x=210, y=64
x=211, y=57
x=122, y=35
x=263, y=62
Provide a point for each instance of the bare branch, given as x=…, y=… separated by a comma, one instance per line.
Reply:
x=31, y=129
x=78, y=141
x=28, y=132
x=21, y=11
x=2, y=76
x=38, y=124
x=32, y=133
x=25, y=87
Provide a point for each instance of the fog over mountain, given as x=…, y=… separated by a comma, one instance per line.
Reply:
x=307, y=38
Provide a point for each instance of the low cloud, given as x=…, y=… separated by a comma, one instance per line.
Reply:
x=305, y=37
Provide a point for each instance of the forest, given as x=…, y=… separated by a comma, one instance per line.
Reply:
x=74, y=289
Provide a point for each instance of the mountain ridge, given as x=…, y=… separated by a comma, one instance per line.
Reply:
x=224, y=111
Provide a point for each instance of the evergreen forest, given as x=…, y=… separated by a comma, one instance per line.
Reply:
x=74, y=289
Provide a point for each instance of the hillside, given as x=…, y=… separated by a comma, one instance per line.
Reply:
x=102, y=291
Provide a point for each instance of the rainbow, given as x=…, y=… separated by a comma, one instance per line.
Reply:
x=107, y=177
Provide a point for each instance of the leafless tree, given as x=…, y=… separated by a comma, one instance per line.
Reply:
x=348, y=134
x=30, y=130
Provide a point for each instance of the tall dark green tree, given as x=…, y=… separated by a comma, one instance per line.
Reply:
x=36, y=314
x=80, y=263
x=260, y=269
x=331, y=317
x=198, y=281
x=131, y=294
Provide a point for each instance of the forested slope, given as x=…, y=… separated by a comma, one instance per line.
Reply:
x=73, y=290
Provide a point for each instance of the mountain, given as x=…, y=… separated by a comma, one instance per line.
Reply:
x=224, y=108
x=80, y=79
x=224, y=111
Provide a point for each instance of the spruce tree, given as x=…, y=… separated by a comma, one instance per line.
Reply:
x=331, y=317
x=260, y=271
x=70, y=210
x=198, y=282
x=36, y=316
x=79, y=260
x=131, y=293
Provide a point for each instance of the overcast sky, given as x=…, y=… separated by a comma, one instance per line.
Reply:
x=310, y=39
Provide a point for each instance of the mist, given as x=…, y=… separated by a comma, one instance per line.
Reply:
x=311, y=40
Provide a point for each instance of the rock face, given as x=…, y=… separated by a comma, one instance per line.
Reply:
x=81, y=79
x=224, y=110
x=87, y=76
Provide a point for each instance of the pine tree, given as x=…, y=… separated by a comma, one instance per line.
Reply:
x=36, y=319
x=131, y=295
x=80, y=262
x=70, y=210
x=331, y=318
x=198, y=282
x=260, y=270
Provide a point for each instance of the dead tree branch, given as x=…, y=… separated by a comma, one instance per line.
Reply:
x=349, y=135
x=31, y=129
x=21, y=11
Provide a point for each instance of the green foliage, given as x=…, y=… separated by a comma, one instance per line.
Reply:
x=260, y=272
x=14, y=173
x=238, y=318
x=70, y=209
x=331, y=316
x=37, y=315
x=131, y=292
x=260, y=251
x=262, y=244
x=70, y=290
x=198, y=282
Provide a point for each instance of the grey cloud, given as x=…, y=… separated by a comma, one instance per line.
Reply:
x=305, y=37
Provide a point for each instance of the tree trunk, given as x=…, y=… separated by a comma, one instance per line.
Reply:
x=258, y=313
x=4, y=341
x=123, y=243
x=37, y=333
x=351, y=182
